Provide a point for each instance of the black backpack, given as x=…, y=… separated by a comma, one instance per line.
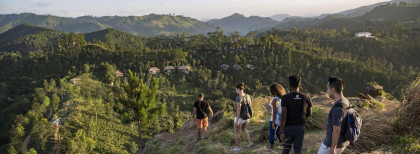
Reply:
x=352, y=123
x=246, y=108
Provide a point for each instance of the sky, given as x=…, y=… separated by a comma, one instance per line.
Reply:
x=199, y=9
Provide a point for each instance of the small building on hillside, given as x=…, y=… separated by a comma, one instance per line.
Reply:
x=237, y=67
x=224, y=67
x=226, y=49
x=249, y=66
x=154, y=70
x=56, y=122
x=118, y=73
x=364, y=35
x=184, y=69
x=74, y=80
x=169, y=69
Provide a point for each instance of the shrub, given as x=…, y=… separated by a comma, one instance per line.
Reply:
x=263, y=132
x=228, y=139
x=408, y=144
x=317, y=120
x=369, y=104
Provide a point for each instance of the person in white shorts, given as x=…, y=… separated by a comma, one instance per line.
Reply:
x=240, y=124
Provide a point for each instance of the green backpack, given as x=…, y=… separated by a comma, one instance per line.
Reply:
x=246, y=108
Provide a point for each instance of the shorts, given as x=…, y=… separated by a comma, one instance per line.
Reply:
x=202, y=123
x=241, y=121
x=326, y=150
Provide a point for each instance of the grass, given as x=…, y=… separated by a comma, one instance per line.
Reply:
x=228, y=139
x=175, y=148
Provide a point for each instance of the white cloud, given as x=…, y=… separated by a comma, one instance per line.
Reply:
x=4, y=9
x=44, y=4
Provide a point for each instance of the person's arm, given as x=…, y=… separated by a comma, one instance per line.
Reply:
x=274, y=104
x=194, y=111
x=337, y=117
x=335, y=137
x=238, y=112
x=308, y=111
x=211, y=111
x=283, y=122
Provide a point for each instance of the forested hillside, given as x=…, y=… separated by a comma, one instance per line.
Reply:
x=84, y=78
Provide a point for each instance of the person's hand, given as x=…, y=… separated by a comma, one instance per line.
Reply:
x=273, y=126
x=282, y=137
x=332, y=151
x=237, y=124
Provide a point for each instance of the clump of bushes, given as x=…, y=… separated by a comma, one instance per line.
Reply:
x=369, y=104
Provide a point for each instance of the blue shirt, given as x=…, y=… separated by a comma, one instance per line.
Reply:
x=335, y=118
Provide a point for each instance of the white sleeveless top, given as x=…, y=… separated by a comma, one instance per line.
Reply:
x=277, y=121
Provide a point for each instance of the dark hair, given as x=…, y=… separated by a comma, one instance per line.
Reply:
x=200, y=95
x=277, y=89
x=240, y=86
x=336, y=83
x=294, y=81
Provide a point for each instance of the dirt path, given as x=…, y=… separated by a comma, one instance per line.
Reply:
x=312, y=140
x=25, y=143
x=57, y=139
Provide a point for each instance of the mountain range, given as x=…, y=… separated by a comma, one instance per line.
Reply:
x=170, y=25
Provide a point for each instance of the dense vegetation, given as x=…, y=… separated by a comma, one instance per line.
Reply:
x=48, y=74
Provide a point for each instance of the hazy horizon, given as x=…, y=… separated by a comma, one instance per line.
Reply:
x=198, y=9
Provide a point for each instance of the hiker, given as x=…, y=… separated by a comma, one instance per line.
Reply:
x=334, y=142
x=202, y=120
x=277, y=91
x=242, y=116
x=295, y=108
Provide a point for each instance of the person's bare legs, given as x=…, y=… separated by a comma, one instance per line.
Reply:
x=199, y=132
x=204, y=132
x=237, y=137
x=246, y=133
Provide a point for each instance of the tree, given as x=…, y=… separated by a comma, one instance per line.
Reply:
x=139, y=103
x=32, y=151
x=55, y=100
x=106, y=73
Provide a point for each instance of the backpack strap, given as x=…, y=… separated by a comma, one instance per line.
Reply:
x=346, y=119
x=278, y=100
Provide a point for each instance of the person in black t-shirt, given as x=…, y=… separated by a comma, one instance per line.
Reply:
x=199, y=109
x=296, y=107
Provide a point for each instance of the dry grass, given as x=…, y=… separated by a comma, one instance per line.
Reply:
x=377, y=130
x=409, y=117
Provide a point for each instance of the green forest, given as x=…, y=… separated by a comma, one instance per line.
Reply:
x=76, y=77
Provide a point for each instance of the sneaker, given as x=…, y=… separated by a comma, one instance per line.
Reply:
x=236, y=149
x=250, y=145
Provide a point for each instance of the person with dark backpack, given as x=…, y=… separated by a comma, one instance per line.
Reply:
x=243, y=116
x=199, y=109
x=343, y=124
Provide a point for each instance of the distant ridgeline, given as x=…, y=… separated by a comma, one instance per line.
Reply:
x=149, y=25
